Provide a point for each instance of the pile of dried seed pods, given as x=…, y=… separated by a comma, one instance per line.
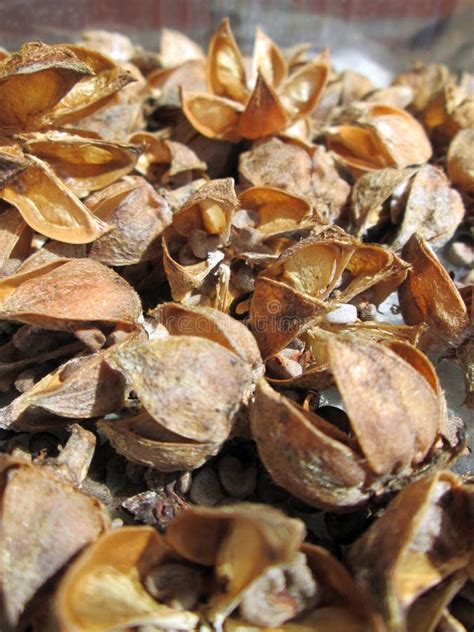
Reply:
x=193, y=249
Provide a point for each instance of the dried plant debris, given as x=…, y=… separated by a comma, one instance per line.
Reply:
x=197, y=251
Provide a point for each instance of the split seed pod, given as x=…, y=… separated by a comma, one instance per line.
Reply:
x=459, y=163
x=418, y=554
x=174, y=378
x=397, y=433
x=104, y=588
x=57, y=521
x=429, y=296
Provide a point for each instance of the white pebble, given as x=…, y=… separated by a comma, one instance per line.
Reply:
x=342, y=315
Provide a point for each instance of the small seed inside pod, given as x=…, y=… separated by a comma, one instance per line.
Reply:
x=213, y=217
x=201, y=243
x=205, y=488
x=236, y=479
x=186, y=256
x=175, y=584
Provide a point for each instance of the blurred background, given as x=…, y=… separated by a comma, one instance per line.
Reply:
x=386, y=33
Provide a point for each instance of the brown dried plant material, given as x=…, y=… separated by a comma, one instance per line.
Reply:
x=115, y=45
x=332, y=469
x=429, y=296
x=15, y=237
x=176, y=49
x=67, y=295
x=57, y=521
x=84, y=163
x=425, y=81
x=384, y=137
x=459, y=160
x=166, y=83
x=448, y=112
x=137, y=215
x=48, y=206
x=104, y=588
x=416, y=556
x=165, y=160
x=304, y=171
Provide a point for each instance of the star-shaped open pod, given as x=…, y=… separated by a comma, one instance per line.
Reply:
x=106, y=587
x=418, y=554
x=378, y=136
x=175, y=379
x=429, y=296
x=313, y=278
x=137, y=215
x=395, y=427
x=70, y=295
x=395, y=203
x=459, y=161
x=165, y=161
x=252, y=105
x=301, y=169
x=57, y=521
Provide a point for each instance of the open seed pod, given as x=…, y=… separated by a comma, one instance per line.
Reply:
x=425, y=81
x=137, y=215
x=399, y=202
x=307, y=171
x=241, y=106
x=48, y=206
x=84, y=163
x=104, y=588
x=69, y=295
x=177, y=48
x=115, y=45
x=459, y=162
x=449, y=111
x=443, y=311
x=174, y=378
x=312, y=278
x=340, y=91
x=166, y=161
x=418, y=554
x=57, y=521
x=393, y=434
x=383, y=137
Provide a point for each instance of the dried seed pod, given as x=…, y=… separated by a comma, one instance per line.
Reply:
x=115, y=45
x=176, y=48
x=354, y=468
x=425, y=81
x=308, y=172
x=416, y=556
x=448, y=112
x=167, y=83
x=57, y=521
x=84, y=163
x=112, y=571
x=443, y=311
x=459, y=164
x=64, y=295
x=48, y=206
x=15, y=237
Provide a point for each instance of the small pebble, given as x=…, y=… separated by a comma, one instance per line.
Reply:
x=461, y=254
x=343, y=315
x=245, y=219
x=205, y=488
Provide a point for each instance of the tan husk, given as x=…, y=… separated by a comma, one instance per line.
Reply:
x=57, y=521
x=459, y=164
x=15, y=236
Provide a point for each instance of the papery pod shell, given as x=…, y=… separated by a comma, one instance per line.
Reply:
x=268, y=59
x=63, y=294
x=167, y=83
x=138, y=222
x=277, y=210
x=115, y=45
x=264, y=114
x=301, y=91
x=448, y=112
x=358, y=148
x=459, y=162
x=43, y=75
x=211, y=324
x=15, y=236
x=240, y=541
x=57, y=521
x=425, y=81
x=220, y=196
x=149, y=444
x=214, y=117
x=399, y=97
x=177, y=48
x=82, y=388
x=175, y=379
x=52, y=252
x=103, y=590
x=423, y=537
x=433, y=209
x=185, y=280
x=48, y=206
x=305, y=454
x=443, y=311
x=225, y=67
x=12, y=160
x=84, y=164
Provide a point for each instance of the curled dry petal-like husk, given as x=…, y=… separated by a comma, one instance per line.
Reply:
x=15, y=236
x=84, y=164
x=192, y=386
x=167, y=83
x=264, y=114
x=358, y=148
x=212, y=116
x=268, y=59
x=115, y=45
x=459, y=160
x=57, y=521
x=49, y=207
x=63, y=294
x=429, y=296
x=424, y=538
x=82, y=388
x=42, y=75
x=103, y=590
x=210, y=323
x=138, y=216
x=176, y=48
x=448, y=112
x=225, y=66
x=210, y=209
x=301, y=91
x=241, y=542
